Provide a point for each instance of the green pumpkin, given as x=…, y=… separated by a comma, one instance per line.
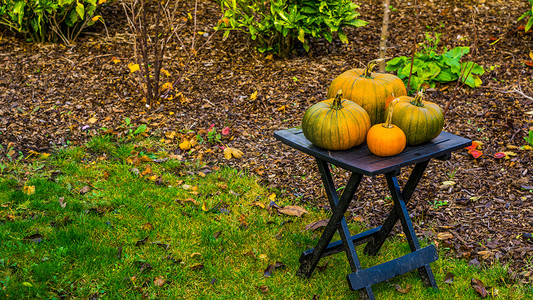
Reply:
x=336, y=124
x=420, y=120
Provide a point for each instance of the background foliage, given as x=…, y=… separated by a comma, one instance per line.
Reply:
x=276, y=24
x=49, y=20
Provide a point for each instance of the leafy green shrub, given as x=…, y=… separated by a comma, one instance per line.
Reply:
x=528, y=14
x=275, y=25
x=429, y=67
x=49, y=20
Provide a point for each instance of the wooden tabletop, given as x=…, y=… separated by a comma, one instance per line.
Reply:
x=359, y=159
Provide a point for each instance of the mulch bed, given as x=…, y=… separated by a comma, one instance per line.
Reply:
x=49, y=93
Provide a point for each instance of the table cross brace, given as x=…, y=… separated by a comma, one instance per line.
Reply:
x=363, y=279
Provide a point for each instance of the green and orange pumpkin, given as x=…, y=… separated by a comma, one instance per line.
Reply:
x=421, y=120
x=370, y=90
x=336, y=124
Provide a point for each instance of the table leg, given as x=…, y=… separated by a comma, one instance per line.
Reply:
x=373, y=246
x=337, y=221
x=401, y=210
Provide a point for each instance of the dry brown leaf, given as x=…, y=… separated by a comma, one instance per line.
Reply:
x=293, y=210
x=444, y=236
x=159, y=281
x=316, y=225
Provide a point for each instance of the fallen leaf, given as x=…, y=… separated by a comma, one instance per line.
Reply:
x=232, y=152
x=444, y=236
x=448, y=182
x=141, y=242
x=185, y=145
x=195, y=254
x=317, y=224
x=528, y=63
x=148, y=226
x=448, y=278
x=92, y=120
x=62, y=202
x=159, y=281
x=479, y=287
x=475, y=153
x=403, y=290
x=263, y=289
x=293, y=210
x=147, y=171
x=28, y=189
x=499, y=155
x=133, y=67
x=253, y=96
x=35, y=238
x=85, y=190
x=197, y=267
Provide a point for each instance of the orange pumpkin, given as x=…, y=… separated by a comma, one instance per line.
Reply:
x=386, y=139
x=370, y=90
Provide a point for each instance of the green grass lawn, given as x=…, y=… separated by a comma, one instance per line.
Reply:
x=81, y=223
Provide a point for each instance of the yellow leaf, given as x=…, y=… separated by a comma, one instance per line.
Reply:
x=27, y=284
x=152, y=178
x=204, y=207
x=102, y=1
x=510, y=153
x=92, y=120
x=282, y=108
x=230, y=151
x=96, y=18
x=272, y=197
x=531, y=55
x=133, y=67
x=527, y=147
x=115, y=60
x=253, y=96
x=45, y=155
x=448, y=182
x=166, y=86
x=28, y=190
x=165, y=72
x=185, y=145
x=170, y=134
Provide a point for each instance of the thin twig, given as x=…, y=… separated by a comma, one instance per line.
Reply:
x=414, y=46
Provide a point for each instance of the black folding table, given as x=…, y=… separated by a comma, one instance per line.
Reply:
x=360, y=161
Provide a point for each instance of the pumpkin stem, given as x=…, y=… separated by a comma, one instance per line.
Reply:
x=368, y=71
x=418, y=99
x=337, y=102
x=387, y=123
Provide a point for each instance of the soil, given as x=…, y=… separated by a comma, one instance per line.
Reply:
x=53, y=95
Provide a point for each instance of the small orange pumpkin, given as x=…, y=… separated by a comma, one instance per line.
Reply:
x=370, y=90
x=386, y=139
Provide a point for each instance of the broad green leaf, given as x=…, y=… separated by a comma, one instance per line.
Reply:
x=476, y=69
x=446, y=75
x=301, y=35
x=529, y=24
x=80, y=9
x=342, y=36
